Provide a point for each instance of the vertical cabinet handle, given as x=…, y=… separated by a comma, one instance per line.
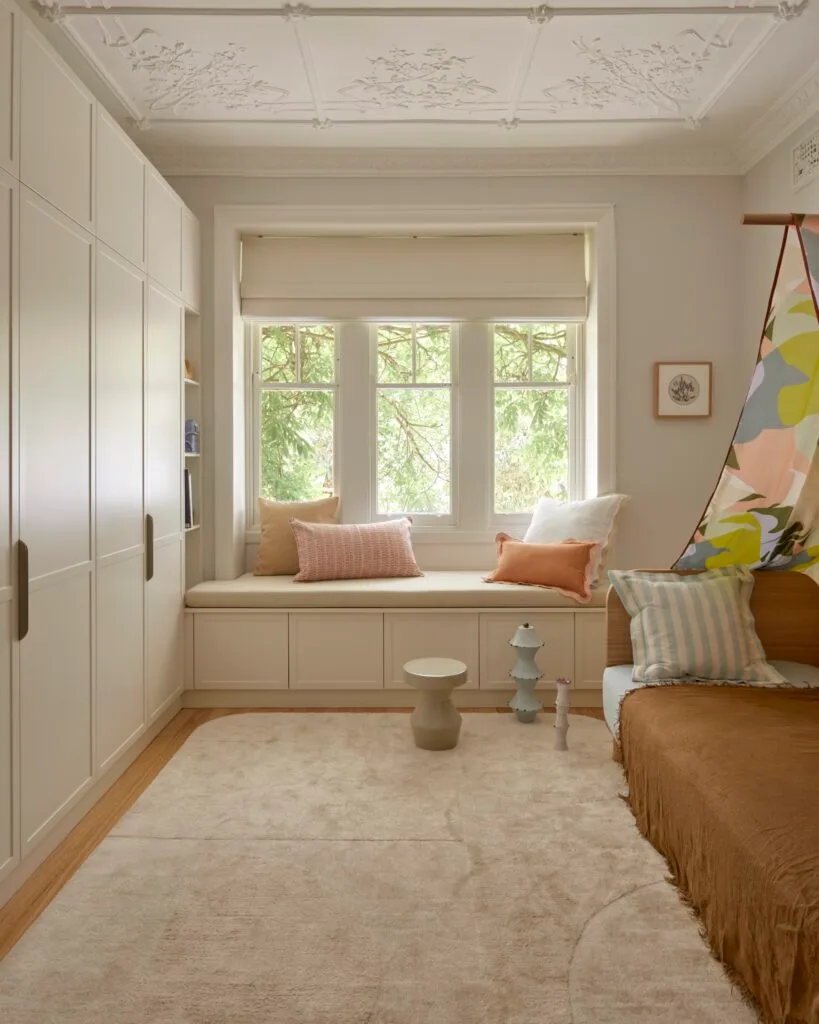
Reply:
x=149, y=547
x=22, y=590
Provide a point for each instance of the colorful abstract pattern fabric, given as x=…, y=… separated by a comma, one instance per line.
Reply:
x=764, y=512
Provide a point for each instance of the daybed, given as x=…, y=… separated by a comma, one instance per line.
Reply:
x=723, y=780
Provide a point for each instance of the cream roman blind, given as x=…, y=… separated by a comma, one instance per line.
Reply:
x=459, y=277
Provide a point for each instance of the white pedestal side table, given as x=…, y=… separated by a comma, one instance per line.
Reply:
x=436, y=723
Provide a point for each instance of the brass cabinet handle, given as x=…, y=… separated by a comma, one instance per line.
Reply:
x=149, y=547
x=22, y=590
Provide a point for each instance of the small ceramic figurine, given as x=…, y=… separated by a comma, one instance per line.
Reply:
x=526, y=674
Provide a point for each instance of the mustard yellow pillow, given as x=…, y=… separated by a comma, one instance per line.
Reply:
x=278, y=555
x=565, y=567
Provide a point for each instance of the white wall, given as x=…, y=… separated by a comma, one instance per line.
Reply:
x=767, y=189
x=679, y=289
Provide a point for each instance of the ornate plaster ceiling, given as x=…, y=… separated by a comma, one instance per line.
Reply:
x=211, y=72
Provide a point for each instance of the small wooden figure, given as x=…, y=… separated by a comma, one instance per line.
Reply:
x=562, y=702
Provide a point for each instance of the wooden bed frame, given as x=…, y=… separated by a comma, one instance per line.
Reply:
x=785, y=606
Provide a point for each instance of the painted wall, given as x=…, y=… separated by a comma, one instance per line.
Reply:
x=679, y=297
x=767, y=189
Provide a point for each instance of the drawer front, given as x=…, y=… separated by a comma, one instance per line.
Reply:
x=555, y=659
x=239, y=652
x=590, y=650
x=430, y=635
x=336, y=650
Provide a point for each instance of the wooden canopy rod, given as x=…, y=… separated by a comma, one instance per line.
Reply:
x=771, y=219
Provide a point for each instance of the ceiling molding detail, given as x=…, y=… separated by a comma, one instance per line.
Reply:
x=181, y=78
x=432, y=80
x=659, y=78
x=253, y=162
x=782, y=9
x=563, y=79
x=785, y=117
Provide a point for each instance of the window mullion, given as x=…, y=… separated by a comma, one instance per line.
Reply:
x=474, y=425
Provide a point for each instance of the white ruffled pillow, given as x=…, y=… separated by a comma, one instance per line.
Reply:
x=591, y=519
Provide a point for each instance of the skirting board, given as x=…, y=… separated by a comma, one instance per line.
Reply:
x=365, y=698
x=12, y=882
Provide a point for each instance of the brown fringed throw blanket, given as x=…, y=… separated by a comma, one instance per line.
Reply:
x=724, y=782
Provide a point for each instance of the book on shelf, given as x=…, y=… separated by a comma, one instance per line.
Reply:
x=188, y=498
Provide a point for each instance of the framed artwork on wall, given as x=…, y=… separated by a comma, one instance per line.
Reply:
x=682, y=389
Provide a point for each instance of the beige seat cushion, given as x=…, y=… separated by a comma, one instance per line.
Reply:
x=278, y=555
x=433, y=590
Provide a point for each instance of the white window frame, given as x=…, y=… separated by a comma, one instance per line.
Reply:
x=518, y=521
x=422, y=520
x=256, y=387
x=472, y=388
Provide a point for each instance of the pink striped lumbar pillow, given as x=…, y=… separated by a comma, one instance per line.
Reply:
x=354, y=552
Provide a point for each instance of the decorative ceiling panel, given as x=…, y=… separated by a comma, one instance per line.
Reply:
x=400, y=70
x=205, y=68
x=654, y=66
x=420, y=73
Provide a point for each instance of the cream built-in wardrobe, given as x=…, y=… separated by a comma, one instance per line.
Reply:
x=92, y=320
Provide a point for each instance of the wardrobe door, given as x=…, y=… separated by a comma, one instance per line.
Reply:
x=163, y=498
x=56, y=130
x=55, y=512
x=7, y=739
x=120, y=690
x=9, y=88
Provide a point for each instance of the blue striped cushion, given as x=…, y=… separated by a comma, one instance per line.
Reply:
x=694, y=627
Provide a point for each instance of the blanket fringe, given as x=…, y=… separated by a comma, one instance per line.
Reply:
x=688, y=902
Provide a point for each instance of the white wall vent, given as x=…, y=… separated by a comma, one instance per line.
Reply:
x=806, y=161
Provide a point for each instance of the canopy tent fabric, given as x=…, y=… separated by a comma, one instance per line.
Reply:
x=764, y=512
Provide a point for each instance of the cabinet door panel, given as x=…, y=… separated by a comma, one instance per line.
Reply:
x=336, y=651
x=163, y=469
x=55, y=355
x=120, y=184
x=555, y=659
x=164, y=598
x=119, y=402
x=56, y=117
x=191, y=261
x=8, y=88
x=164, y=234
x=409, y=635
x=590, y=650
x=7, y=750
x=120, y=654
x=8, y=207
x=242, y=652
x=55, y=700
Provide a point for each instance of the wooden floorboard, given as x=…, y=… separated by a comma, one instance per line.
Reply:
x=23, y=909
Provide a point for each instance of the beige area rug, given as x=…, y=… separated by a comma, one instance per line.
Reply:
x=319, y=869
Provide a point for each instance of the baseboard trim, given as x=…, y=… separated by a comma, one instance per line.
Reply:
x=331, y=700
x=29, y=888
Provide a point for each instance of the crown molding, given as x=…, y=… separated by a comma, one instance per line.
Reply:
x=798, y=105
x=57, y=9
x=290, y=162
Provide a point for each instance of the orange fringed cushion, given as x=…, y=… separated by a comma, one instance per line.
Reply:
x=565, y=567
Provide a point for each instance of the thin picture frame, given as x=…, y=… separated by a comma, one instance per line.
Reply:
x=683, y=390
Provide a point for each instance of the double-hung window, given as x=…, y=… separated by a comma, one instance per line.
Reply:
x=294, y=406
x=413, y=407
x=460, y=416
x=535, y=412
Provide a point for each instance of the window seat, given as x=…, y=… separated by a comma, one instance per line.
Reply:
x=435, y=589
